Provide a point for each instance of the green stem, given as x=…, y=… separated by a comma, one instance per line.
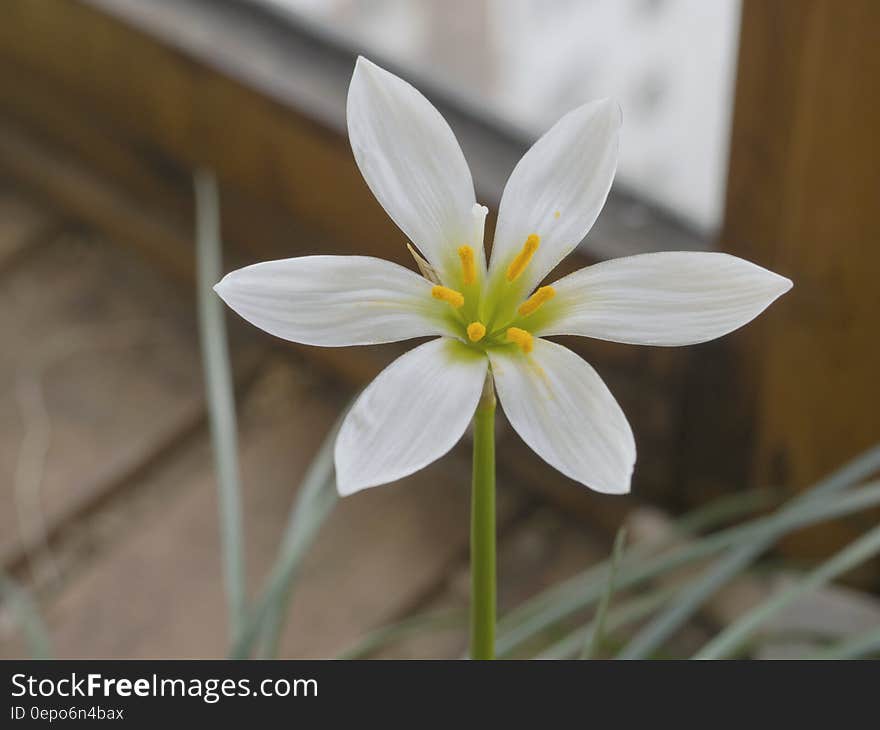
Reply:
x=483, y=529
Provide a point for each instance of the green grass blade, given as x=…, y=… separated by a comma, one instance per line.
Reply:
x=579, y=593
x=25, y=610
x=695, y=594
x=219, y=392
x=725, y=510
x=734, y=636
x=315, y=500
x=861, y=645
x=593, y=645
x=381, y=637
x=703, y=518
x=271, y=605
x=627, y=612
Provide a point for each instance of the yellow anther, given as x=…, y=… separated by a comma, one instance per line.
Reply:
x=468, y=267
x=544, y=294
x=445, y=294
x=476, y=331
x=556, y=214
x=518, y=265
x=521, y=338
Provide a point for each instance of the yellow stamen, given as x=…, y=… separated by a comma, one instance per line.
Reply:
x=468, y=267
x=518, y=265
x=556, y=214
x=445, y=294
x=544, y=294
x=476, y=331
x=521, y=338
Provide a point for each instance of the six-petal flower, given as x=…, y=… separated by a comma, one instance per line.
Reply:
x=491, y=317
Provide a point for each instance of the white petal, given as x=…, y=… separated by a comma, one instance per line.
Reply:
x=567, y=172
x=671, y=298
x=412, y=162
x=562, y=409
x=335, y=301
x=410, y=415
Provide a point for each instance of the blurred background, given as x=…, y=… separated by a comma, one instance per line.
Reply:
x=749, y=127
x=669, y=63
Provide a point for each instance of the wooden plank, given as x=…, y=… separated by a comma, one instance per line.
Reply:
x=802, y=195
x=158, y=592
x=165, y=102
x=125, y=218
x=92, y=170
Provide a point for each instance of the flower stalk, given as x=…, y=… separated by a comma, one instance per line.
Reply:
x=483, y=528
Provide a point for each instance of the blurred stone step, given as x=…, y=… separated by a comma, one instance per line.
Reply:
x=99, y=372
x=158, y=591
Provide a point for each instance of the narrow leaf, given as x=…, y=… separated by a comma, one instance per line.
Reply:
x=732, y=637
x=861, y=645
x=315, y=500
x=580, y=592
x=593, y=646
x=695, y=594
x=219, y=391
x=25, y=610
x=385, y=635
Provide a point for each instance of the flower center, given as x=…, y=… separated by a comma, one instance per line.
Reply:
x=487, y=312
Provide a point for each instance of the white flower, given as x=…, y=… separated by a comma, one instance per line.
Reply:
x=490, y=318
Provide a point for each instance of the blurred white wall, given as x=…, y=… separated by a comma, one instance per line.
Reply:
x=670, y=64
